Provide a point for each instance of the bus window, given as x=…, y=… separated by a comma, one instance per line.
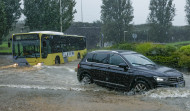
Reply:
x=44, y=44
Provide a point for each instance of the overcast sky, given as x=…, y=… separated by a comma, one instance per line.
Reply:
x=92, y=9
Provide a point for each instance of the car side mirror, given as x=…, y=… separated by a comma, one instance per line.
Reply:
x=123, y=65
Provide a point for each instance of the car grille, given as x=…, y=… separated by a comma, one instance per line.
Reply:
x=175, y=79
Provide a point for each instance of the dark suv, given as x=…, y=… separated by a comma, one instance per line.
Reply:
x=126, y=70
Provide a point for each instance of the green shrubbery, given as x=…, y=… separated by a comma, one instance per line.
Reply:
x=161, y=50
x=126, y=46
x=169, y=55
x=184, y=53
x=185, y=50
x=144, y=48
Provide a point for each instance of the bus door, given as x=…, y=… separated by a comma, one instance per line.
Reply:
x=65, y=57
x=65, y=49
x=46, y=49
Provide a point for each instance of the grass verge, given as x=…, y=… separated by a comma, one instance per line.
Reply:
x=4, y=48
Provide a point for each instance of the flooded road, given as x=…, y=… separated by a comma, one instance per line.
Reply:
x=55, y=88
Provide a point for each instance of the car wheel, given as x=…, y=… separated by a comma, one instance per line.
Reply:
x=86, y=79
x=140, y=87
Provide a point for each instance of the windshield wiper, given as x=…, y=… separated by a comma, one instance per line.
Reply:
x=150, y=64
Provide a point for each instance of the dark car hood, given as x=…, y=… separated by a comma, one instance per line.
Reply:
x=159, y=70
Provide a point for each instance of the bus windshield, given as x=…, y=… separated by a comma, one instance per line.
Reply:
x=26, y=46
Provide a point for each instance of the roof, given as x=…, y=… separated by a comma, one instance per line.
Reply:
x=115, y=51
x=48, y=32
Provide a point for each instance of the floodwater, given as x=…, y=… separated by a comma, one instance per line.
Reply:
x=55, y=88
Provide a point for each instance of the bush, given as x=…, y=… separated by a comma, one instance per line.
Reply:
x=184, y=61
x=113, y=47
x=171, y=61
x=125, y=46
x=184, y=53
x=143, y=48
x=161, y=50
x=185, y=50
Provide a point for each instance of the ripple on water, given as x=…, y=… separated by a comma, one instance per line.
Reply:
x=41, y=66
x=169, y=93
x=187, y=105
x=41, y=87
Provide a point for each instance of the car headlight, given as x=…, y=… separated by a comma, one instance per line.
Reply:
x=160, y=79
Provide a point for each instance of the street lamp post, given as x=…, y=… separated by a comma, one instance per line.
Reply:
x=81, y=11
x=61, y=22
x=124, y=35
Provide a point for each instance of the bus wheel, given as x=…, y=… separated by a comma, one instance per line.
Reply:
x=57, y=60
x=78, y=56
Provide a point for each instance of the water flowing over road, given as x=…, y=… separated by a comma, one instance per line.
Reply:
x=55, y=88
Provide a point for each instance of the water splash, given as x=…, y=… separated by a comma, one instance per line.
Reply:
x=69, y=69
x=169, y=93
x=39, y=65
x=9, y=66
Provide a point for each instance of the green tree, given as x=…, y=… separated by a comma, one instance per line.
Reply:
x=10, y=13
x=187, y=10
x=2, y=20
x=160, y=19
x=45, y=14
x=13, y=13
x=116, y=16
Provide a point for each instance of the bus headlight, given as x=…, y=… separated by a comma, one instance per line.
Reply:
x=15, y=65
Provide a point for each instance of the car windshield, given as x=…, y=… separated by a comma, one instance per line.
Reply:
x=138, y=60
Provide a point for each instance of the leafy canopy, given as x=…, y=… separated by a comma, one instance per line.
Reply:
x=45, y=14
x=10, y=12
x=161, y=15
x=116, y=17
